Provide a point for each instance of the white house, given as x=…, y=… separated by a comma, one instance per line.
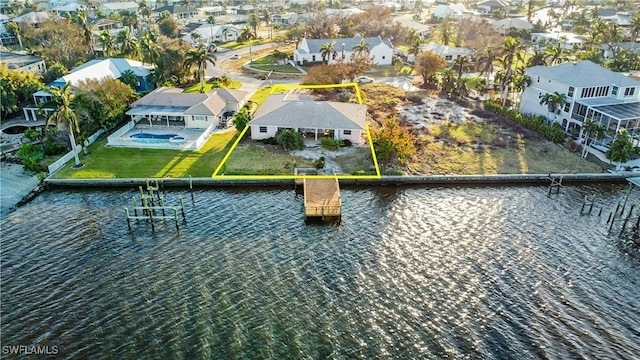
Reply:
x=214, y=34
x=450, y=10
x=116, y=7
x=22, y=62
x=491, y=6
x=504, y=25
x=592, y=91
x=313, y=119
x=171, y=107
x=450, y=54
x=567, y=39
x=309, y=50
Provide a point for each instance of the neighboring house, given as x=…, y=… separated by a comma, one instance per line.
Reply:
x=116, y=7
x=503, y=26
x=70, y=8
x=609, y=51
x=35, y=18
x=491, y=6
x=213, y=34
x=592, y=91
x=178, y=12
x=448, y=53
x=172, y=107
x=313, y=119
x=95, y=69
x=289, y=19
x=212, y=11
x=381, y=51
x=450, y=10
x=23, y=62
x=567, y=39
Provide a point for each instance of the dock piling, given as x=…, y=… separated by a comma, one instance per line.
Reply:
x=126, y=211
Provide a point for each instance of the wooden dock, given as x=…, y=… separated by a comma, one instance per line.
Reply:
x=322, y=198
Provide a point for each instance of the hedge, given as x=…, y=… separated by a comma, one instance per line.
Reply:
x=552, y=132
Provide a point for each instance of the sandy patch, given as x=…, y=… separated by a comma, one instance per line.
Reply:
x=436, y=111
x=330, y=165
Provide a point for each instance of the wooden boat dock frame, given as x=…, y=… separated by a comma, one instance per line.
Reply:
x=322, y=198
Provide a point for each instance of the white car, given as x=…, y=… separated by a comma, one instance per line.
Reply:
x=364, y=80
x=236, y=56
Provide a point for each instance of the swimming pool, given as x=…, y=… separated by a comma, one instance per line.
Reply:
x=153, y=136
x=157, y=138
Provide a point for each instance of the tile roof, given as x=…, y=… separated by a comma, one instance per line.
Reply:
x=210, y=103
x=582, y=73
x=277, y=110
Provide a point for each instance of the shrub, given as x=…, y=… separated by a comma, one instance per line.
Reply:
x=32, y=162
x=574, y=146
x=552, y=132
x=346, y=143
x=32, y=134
x=270, y=141
x=414, y=97
x=319, y=164
x=290, y=140
x=51, y=147
x=330, y=144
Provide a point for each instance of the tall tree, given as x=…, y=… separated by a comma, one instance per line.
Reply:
x=511, y=48
x=108, y=44
x=327, y=50
x=200, y=57
x=592, y=131
x=428, y=64
x=129, y=46
x=361, y=48
x=621, y=149
x=64, y=114
x=554, y=54
x=87, y=29
x=149, y=48
x=15, y=30
x=634, y=27
x=553, y=101
x=248, y=34
x=129, y=19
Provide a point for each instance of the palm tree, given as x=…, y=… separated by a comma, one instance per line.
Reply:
x=634, y=27
x=536, y=59
x=14, y=29
x=128, y=43
x=553, y=101
x=196, y=37
x=460, y=62
x=64, y=114
x=225, y=81
x=248, y=34
x=554, y=54
x=448, y=81
x=485, y=62
x=266, y=17
x=280, y=56
x=144, y=10
x=87, y=29
x=416, y=47
x=361, y=47
x=200, y=57
x=591, y=130
x=253, y=22
x=328, y=50
x=129, y=19
x=149, y=48
x=511, y=48
x=108, y=44
x=621, y=149
x=520, y=82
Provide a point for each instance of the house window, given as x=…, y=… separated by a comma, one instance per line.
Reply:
x=538, y=80
x=383, y=57
x=570, y=92
x=567, y=106
x=263, y=129
x=629, y=91
x=614, y=91
x=199, y=118
x=313, y=58
x=347, y=132
x=448, y=57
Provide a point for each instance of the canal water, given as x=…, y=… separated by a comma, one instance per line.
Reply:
x=412, y=273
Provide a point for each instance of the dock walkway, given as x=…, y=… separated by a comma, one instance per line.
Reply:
x=322, y=198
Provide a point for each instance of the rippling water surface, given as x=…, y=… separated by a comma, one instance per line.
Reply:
x=489, y=273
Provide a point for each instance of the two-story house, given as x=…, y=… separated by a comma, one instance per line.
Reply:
x=310, y=50
x=592, y=92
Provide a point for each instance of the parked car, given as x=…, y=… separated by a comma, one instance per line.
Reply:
x=364, y=80
x=228, y=114
x=235, y=56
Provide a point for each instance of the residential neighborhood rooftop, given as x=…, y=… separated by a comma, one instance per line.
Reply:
x=310, y=114
x=16, y=61
x=315, y=45
x=582, y=73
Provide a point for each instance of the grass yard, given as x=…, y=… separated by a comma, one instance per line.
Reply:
x=248, y=159
x=391, y=70
x=195, y=88
x=288, y=69
x=119, y=162
x=235, y=45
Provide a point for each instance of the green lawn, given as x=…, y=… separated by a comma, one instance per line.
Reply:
x=195, y=88
x=391, y=70
x=235, y=45
x=265, y=60
x=119, y=162
x=253, y=160
x=276, y=68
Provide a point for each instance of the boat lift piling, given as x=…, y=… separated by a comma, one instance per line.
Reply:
x=556, y=184
x=587, y=205
x=152, y=206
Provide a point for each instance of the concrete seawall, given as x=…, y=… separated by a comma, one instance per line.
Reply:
x=469, y=180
